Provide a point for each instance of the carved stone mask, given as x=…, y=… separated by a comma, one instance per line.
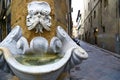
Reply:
x=38, y=16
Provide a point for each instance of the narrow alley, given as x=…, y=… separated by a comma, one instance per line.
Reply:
x=39, y=28
x=100, y=65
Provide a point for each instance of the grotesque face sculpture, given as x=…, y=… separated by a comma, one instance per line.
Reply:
x=38, y=16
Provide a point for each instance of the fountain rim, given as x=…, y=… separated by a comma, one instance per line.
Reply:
x=42, y=69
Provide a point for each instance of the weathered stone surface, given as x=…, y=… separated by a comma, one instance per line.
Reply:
x=19, y=13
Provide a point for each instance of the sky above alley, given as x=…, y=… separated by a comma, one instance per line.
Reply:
x=77, y=5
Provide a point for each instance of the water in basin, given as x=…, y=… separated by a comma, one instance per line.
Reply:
x=30, y=59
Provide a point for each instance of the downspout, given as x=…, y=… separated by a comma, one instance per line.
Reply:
x=118, y=12
x=101, y=13
x=117, y=37
x=70, y=19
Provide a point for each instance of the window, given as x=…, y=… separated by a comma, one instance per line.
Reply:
x=94, y=14
x=89, y=20
x=103, y=28
x=105, y=3
x=89, y=6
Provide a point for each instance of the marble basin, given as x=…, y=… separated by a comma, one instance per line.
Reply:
x=72, y=54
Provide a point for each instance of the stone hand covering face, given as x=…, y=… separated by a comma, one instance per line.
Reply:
x=38, y=16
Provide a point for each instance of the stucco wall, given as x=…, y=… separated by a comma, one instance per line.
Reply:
x=107, y=23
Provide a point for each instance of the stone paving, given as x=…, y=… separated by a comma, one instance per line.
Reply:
x=100, y=65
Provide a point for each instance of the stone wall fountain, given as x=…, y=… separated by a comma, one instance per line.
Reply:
x=39, y=59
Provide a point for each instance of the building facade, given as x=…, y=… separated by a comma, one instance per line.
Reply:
x=5, y=17
x=101, y=23
x=80, y=26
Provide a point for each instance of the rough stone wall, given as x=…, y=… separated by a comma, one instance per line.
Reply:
x=106, y=21
x=107, y=39
x=18, y=17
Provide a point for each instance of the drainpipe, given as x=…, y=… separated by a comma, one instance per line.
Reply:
x=70, y=19
x=101, y=13
x=118, y=12
x=117, y=36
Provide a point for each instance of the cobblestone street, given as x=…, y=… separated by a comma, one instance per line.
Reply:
x=100, y=65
